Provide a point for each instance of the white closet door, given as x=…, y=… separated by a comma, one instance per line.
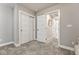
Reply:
x=25, y=28
x=41, y=28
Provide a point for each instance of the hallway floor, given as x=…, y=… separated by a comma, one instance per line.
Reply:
x=33, y=48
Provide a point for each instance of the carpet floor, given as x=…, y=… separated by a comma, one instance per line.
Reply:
x=34, y=48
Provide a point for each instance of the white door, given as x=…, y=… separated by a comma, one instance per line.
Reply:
x=25, y=27
x=41, y=28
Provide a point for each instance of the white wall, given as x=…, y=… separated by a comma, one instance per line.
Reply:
x=69, y=14
x=6, y=24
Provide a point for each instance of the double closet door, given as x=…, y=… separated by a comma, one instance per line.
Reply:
x=26, y=27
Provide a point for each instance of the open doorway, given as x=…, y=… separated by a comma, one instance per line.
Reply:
x=53, y=20
x=48, y=26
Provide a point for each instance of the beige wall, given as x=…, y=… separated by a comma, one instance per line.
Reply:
x=68, y=15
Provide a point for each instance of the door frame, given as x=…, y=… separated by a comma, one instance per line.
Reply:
x=56, y=10
x=28, y=14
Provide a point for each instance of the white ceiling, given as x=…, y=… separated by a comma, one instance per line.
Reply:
x=37, y=6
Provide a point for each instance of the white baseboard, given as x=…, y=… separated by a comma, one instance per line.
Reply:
x=6, y=44
x=65, y=47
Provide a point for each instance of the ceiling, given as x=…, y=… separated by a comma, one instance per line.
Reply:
x=38, y=6
x=34, y=6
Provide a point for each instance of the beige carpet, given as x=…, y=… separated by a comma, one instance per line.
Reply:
x=33, y=48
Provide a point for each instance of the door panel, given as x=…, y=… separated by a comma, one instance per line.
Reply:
x=41, y=28
x=25, y=28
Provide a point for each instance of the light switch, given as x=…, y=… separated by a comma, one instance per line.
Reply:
x=69, y=25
